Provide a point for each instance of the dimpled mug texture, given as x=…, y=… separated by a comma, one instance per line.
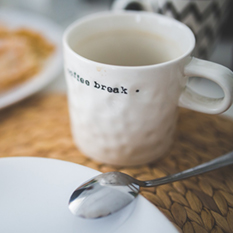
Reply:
x=111, y=127
x=117, y=136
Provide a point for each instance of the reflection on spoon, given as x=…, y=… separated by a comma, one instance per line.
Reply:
x=112, y=191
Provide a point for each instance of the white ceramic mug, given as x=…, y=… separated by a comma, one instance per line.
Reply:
x=124, y=112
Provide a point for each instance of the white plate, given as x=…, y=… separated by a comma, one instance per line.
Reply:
x=53, y=67
x=34, y=198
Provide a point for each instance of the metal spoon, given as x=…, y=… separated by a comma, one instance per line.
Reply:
x=112, y=191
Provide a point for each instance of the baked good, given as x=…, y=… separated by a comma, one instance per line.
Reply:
x=23, y=52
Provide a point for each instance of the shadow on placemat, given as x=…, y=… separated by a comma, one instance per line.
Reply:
x=40, y=127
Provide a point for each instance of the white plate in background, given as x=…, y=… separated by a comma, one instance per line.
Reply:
x=53, y=66
x=34, y=198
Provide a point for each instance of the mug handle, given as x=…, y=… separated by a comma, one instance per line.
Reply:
x=214, y=72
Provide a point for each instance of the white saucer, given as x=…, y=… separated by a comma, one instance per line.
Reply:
x=34, y=198
x=53, y=67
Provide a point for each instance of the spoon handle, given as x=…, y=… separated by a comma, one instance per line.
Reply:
x=219, y=162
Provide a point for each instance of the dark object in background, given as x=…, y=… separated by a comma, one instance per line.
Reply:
x=136, y=6
x=227, y=29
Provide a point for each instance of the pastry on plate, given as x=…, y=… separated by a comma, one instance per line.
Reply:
x=22, y=54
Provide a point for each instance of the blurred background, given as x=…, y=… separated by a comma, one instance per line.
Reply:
x=63, y=12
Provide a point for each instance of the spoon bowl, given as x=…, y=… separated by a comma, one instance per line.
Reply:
x=115, y=189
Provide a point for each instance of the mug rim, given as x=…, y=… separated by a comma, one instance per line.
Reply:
x=103, y=14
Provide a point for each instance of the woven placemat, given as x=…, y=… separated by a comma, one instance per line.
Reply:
x=40, y=127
